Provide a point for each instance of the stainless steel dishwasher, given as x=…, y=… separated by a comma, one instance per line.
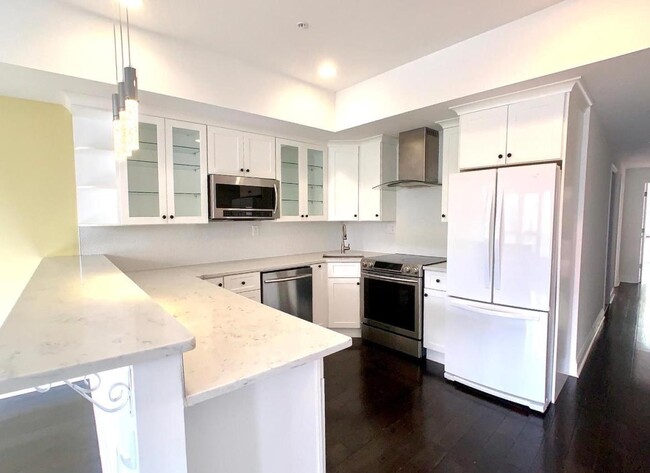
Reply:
x=290, y=291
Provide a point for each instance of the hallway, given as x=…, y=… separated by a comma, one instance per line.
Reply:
x=387, y=414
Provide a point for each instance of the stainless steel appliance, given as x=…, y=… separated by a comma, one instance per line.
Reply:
x=242, y=198
x=289, y=291
x=391, y=302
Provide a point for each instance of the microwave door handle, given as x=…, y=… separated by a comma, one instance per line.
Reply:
x=275, y=189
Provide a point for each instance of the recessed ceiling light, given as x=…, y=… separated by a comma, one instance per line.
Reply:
x=131, y=3
x=327, y=70
x=302, y=25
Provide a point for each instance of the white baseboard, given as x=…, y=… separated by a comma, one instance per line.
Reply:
x=583, y=355
x=436, y=356
x=612, y=295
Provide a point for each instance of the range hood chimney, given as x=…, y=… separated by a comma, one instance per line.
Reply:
x=418, y=160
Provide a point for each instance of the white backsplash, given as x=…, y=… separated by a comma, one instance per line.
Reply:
x=418, y=230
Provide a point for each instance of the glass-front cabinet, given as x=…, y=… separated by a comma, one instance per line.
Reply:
x=301, y=169
x=165, y=180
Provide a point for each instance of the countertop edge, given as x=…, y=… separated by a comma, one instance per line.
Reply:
x=202, y=396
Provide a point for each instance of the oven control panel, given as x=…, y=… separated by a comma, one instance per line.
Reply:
x=390, y=267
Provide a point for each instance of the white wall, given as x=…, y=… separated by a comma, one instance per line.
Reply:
x=593, y=264
x=631, y=221
x=569, y=34
x=139, y=247
x=55, y=37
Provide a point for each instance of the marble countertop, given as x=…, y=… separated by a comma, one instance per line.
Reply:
x=80, y=315
x=237, y=340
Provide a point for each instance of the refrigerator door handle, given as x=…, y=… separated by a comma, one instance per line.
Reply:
x=490, y=242
x=498, y=242
x=496, y=311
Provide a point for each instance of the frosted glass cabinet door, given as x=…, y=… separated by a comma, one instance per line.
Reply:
x=315, y=183
x=144, y=176
x=290, y=180
x=186, y=172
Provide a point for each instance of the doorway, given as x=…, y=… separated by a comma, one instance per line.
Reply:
x=612, y=236
x=644, y=276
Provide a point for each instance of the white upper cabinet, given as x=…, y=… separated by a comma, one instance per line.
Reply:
x=236, y=153
x=525, y=131
x=302, y=171
x=536, y=130
x=165, y=181
x=343, y=182
x=483, y=138
x=355, y=169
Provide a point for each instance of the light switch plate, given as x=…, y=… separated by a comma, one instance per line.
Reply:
x=255, y=230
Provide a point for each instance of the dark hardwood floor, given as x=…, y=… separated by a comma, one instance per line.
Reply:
x=387, y=413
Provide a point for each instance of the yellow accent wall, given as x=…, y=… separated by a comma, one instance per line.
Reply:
x=38, y=211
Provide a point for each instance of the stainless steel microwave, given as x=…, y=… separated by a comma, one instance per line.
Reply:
x=242, y=198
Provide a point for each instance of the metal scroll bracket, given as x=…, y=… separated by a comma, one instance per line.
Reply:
x=119, y=393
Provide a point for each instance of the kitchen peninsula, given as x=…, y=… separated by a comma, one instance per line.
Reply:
x=249, y=394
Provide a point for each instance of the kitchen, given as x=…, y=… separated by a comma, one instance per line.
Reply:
x=414, y=229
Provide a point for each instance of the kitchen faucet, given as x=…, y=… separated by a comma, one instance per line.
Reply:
x=345, y=246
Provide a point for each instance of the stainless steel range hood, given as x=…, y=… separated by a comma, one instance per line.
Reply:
x=418, y=160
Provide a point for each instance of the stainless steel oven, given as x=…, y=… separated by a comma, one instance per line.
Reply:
x=391, y=302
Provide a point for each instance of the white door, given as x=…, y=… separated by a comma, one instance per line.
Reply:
x=499, y=350
x=483, y=138
x=536, y=130
x=523, y=241
x=471, y=230
x=449, y=165
x=344, y=303
x=259, y=156
x=343, y=182
x=314, y=166
x=187, y=177
x=144, y=177
x=226, y=152
x=369, y=177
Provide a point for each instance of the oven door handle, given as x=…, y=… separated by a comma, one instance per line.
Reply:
x=413, y=282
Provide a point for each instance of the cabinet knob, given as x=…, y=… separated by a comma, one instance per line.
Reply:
x=355, y=215
x=500, y=156
x=302, y=216
x=358, y=284
x=172, y=217
x=242, y=169
x=509, y=155
x=426, y=295
x=319, y=266
x=220, y=284
x=376, y=215
x=443, y=215
x=248, y=170
x=437, y=280
x=243, y=283
x=306, y=216
x=164, y=217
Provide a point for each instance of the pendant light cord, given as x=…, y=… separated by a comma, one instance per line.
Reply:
x=128, y=35
x=117, y=78
x=121, y=38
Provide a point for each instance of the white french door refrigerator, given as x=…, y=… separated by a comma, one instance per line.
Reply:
x=500, y=278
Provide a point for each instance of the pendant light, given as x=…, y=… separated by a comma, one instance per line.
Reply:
x=125, y=102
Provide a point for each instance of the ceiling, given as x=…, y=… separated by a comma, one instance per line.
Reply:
x=362, y=37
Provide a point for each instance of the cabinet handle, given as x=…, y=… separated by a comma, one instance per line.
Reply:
x=509, y=155
x=164, y=217
x=172, y=217
x=500, y=156
x=426, y=295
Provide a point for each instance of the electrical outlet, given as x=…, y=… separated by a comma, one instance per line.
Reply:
x=390, y=229
x=255, y=230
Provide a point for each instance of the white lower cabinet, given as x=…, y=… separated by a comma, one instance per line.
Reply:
x=435, y=308
x=344, y=299
x=319, y=294
x=245, y=284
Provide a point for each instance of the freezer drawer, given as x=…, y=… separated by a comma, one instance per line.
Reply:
x=499, y=350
